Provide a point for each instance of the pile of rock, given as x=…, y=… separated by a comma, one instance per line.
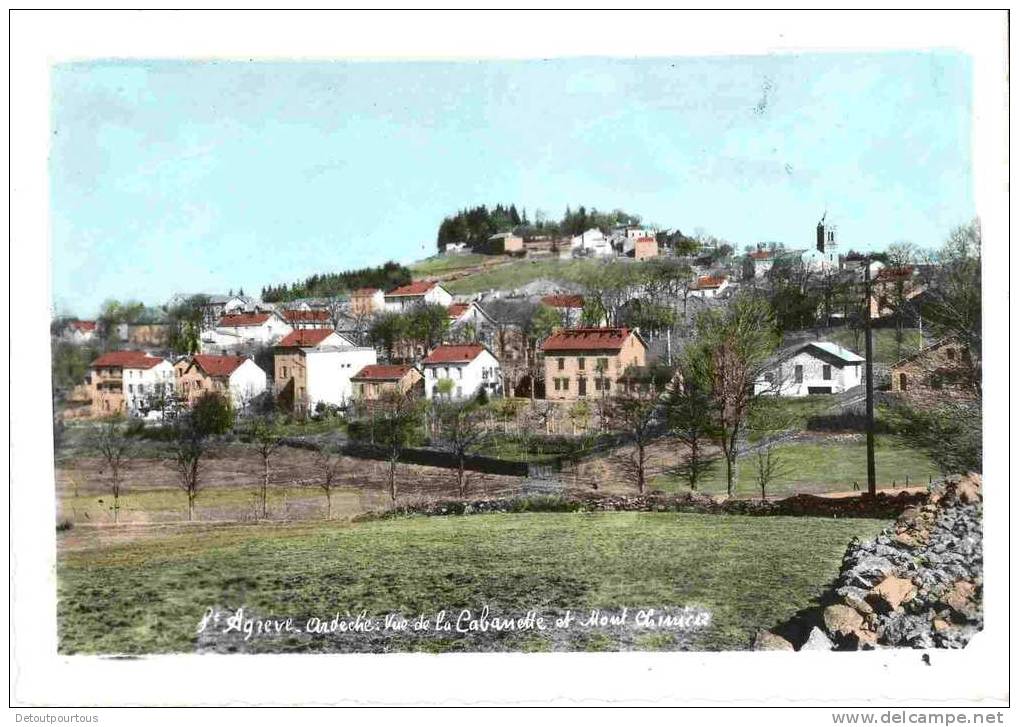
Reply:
x=882, y=506
x=918, y=584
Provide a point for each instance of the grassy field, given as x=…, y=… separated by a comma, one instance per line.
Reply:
x=147, y=596
x=822, y=466
x=885, y=349
x=440, y=264
x=771, y=414
x=519, y=273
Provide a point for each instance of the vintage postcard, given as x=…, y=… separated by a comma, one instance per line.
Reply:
x=646, y=353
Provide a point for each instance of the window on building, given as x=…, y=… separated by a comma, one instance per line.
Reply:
x=826, y=372
x=950, y=353
x=566, y=384
x=562, y=364
x=798, y=374
x=556, y=384
x=902, y=382
x=603, y=364
x=581, y=362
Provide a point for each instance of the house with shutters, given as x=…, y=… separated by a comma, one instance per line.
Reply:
x=235, y=330
x=406, y=297
x=583, y=362
x=818, y=367
x=123, y=382
x=314, y=366
x=376, y=380
x=238, y=378
x=470, y=368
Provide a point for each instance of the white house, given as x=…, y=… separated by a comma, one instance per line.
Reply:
x=470, y=367
x=408, y=296
x=709, y=286
x=242, y=329
x=820, y=367
x=239, y=377
x=593, y=242
x=141, y=376
x=761, y=262
x=79, y=332
x=314, y=366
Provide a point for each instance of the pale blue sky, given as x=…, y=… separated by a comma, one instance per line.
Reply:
x=180, y=176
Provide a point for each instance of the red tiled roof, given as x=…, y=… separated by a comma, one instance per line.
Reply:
x=646, y=238
x=587, y=339
x=452, y=354
x=895, y=273
x=381, y=372
x=564, y=301
x=83, y=325
x=458, y=309
x=218, y=365
x=306, y=316
x=243, y=319
x=126, y=360
x=419, y=288
x=762, y=255
x=306, y=337
x=709, y=281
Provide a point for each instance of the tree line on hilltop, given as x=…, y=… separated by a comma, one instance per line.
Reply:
x=384, y=277
x=476, y=224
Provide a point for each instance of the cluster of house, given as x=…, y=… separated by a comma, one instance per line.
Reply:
x=632, y=241
x=319, y=357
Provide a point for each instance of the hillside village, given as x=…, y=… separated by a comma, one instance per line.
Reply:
x=622, y=313
x=624, y=368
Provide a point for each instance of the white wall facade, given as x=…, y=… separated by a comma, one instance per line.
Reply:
x=140, y=384
x=708, y=293
x=467, y=378
x=246, y=382
x=593, y=242
x=805, y=373
x=329, y=371
x=400, y=303
x=223, y=337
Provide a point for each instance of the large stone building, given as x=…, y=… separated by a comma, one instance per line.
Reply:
x=582, y=362
x=942, y=371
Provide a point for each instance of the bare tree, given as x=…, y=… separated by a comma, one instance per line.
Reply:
x=114, y=445
x=634, y=417
x=770, y=467
x=329, y=465
x=730, y=360
x=543, y=412
x=188, y=449
x=462, y=428
x=266, y=437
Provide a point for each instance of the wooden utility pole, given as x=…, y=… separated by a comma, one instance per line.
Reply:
x=871, y=474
